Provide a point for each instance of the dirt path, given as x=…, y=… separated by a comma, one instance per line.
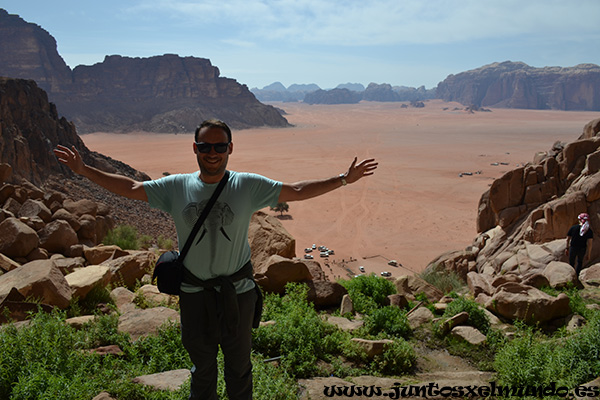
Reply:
x=435, y=367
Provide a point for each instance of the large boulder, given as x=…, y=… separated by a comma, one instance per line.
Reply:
x=168, y=380
x=468, y=334
x=560, y=274
x=64, y=215
x=99, y=254
x=411, y=285
x=479, y=283
x=57, y=237
x=325, y=293
x=268, y=237
x=35, y=208
x=16, y=238
x=277, y=271
x=39, y=280
x=128, y=269
x=85, y=279
x=590, y=277
x=139, y=323
x=81, y=207
x=516, y=301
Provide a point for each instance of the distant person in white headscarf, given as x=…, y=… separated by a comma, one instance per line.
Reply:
x=579, y=242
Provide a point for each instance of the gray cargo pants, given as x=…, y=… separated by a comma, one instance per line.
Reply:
x=203, y=350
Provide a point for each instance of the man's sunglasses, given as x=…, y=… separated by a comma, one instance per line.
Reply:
x=205, y=147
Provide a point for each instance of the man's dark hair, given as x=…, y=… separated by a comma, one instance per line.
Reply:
x=214, y=123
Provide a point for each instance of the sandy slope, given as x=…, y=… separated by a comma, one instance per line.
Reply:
x=414, y=208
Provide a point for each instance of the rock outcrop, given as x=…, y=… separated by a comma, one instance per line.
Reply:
x=522, y=222
x=159, y=94
x=30, y=128
x=517, y=85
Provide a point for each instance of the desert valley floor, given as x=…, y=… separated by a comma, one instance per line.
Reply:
x=414, y=208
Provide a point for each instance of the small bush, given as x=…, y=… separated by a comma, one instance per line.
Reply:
x=124, y=236
x=477, y=317
x=444, y=280
x=391, y=320
x=398, y=358
x=297, y=334
x=164, y=243
x=526, y=360
x=368, y=292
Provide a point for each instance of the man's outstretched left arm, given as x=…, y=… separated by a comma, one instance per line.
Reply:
x=307, y=189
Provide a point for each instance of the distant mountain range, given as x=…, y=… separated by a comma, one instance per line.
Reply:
x=346, y=93
x=503, y=85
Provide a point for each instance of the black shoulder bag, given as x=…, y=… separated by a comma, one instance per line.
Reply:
x=169, y=268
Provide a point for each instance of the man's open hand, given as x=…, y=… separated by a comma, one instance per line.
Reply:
x=364, y=168
x=69, y=157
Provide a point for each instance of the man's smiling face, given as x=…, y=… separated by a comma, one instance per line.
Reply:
x=212, y=164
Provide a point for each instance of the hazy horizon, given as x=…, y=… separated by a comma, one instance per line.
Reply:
x=258, y=42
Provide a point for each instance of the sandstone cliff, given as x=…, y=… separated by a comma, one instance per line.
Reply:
x=30, y=128
x=517, y=85
x=523, y=221
x=159, y=94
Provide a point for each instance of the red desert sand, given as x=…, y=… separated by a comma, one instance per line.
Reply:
x=415, y=207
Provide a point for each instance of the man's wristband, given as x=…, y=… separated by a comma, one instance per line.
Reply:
x=343, y=178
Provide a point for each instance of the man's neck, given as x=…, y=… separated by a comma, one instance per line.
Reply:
x=211, y=179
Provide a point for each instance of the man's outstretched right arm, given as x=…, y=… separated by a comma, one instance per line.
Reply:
x=118, y=184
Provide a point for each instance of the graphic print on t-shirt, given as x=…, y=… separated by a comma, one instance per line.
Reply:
x=213, y=228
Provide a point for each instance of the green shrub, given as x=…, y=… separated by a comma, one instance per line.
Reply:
x=532, y=359
x=444, y=280
x=297, y=334
x=526, y=360
x=47, y=360
x=477, y=316
x=368, y=292
x=391, y=320
x=164, y=243
x=124, y=236
x=398, y=358
x=580, y=359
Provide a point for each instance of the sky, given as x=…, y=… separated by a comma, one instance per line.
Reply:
x=257, y=42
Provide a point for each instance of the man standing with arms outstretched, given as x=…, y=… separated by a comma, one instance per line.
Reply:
x=220, y=250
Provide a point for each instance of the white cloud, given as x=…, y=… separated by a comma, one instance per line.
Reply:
x=383, y=22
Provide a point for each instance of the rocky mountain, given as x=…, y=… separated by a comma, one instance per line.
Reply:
x=159, y=94
x=355, y=87
x=346, y=93
x=517, y=85
x=30, y=128
x=333, y=96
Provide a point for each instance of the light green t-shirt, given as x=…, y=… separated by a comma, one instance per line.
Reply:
x=221, y=246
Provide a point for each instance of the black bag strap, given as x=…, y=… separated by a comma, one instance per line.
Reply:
x=203, y=215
